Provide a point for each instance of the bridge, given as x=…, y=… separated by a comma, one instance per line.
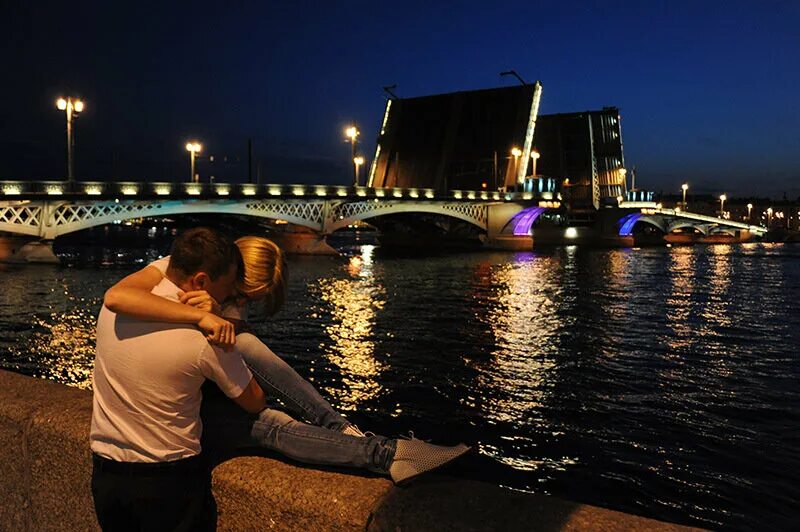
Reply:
x=42, y=211
x=670, y=220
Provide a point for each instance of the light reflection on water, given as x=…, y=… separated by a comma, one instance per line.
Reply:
x=352, y=303
x=660, y=382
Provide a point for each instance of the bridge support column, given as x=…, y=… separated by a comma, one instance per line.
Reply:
x=501, y=237
x=15, y=249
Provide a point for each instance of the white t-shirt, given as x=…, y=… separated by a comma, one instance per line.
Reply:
x=230, y=310
x=147, y=379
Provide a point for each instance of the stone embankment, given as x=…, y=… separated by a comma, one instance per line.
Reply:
x=45, y=469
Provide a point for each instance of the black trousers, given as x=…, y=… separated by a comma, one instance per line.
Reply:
x=165, y=496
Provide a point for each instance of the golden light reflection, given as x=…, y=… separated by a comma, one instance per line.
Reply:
x=523, y=318
x=682, y=270
x=354, y=302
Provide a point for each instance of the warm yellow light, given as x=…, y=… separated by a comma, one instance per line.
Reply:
x=723, y=197
x=516, y=152
x=535, y=154
x=749, y=206
x=684, y=187
x=358, y=160
x=351, y=132
x=194, y=147
x=622, y=171
x=61, y=104
x=769, y=210
x=571, y=232
x=78, y=105
x=619, y=199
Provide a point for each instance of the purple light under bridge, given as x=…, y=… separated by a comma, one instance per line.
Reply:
x=523, y=220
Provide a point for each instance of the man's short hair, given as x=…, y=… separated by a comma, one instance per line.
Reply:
x=204, y=250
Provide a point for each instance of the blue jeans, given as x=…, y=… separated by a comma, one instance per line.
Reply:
x=320, y=441
x=279, y=380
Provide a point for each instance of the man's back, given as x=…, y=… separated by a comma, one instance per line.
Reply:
x=147, y=386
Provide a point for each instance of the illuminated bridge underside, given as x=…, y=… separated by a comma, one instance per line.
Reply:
x=669, y=220
x=50, y=219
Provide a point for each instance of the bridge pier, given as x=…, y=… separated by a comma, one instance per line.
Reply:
x=20, y=249
x=501, y=237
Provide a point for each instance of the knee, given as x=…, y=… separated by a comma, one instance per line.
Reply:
x=269, y=422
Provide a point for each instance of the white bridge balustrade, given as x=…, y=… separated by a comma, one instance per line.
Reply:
x=49, y=209
x=45, y=210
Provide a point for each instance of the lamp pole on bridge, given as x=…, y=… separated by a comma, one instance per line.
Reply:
x=722, y=199
x=72, y=107
x=684, y=188
x=749, y=211
x=516, y=152
x=358, y=161
x=193, y=148
x=352, y=134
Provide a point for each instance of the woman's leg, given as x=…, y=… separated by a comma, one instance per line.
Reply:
x=277, y=378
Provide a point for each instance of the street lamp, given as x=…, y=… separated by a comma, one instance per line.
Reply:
x=193, y=148
x=535, y=156
x=769, y=217
x=71, y=106
x=684, y=188
x=516, y=152
x=358, y=161
x=722, y=199
x=749, y=210
x=352, y=134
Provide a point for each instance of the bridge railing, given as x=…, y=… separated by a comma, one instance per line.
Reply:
x=10, y=190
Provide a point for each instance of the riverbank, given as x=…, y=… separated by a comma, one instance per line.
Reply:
x=46, y=467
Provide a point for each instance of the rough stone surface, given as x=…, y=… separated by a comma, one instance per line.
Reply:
x=45, y=469
x=293, y=498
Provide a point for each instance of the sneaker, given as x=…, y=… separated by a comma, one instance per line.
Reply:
x=352, y=430
x=414, y=457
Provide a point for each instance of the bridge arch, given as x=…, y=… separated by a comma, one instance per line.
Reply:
x=49, y=220
x=682, y=224
x=344, y=214
x=629, y=221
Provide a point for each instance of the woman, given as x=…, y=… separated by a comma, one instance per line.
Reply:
x=263, y=282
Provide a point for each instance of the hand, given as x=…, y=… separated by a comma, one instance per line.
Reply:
x=218, y=331
x=202, y=300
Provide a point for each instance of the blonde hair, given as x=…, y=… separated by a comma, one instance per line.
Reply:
x=264, y=272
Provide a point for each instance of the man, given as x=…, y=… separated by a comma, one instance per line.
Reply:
x=146, y=428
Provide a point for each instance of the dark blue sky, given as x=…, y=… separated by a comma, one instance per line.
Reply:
x=707, y=89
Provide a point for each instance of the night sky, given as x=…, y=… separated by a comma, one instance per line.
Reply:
x=708, y=89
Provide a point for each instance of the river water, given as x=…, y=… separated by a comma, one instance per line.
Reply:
x=657, y=381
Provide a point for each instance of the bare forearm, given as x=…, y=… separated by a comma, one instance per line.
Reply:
x=146, y=306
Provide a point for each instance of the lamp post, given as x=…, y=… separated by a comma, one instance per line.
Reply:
x=358, y=161
x=193, y=148
x=72, y=107
x=352, y=134
x=769, y=217
x=684, y=188
x=749, y=210
x=722, y=199
x=516, y=152
x=535, y=156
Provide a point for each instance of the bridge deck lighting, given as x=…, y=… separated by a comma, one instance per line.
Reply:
x=223, y=191
x=249, y=191
x=92, y=190
x=162, y=190
x=274, y=191
x=129, y=191
x=429, y=194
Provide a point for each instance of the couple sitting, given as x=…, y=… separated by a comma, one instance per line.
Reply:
x=160, y=335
